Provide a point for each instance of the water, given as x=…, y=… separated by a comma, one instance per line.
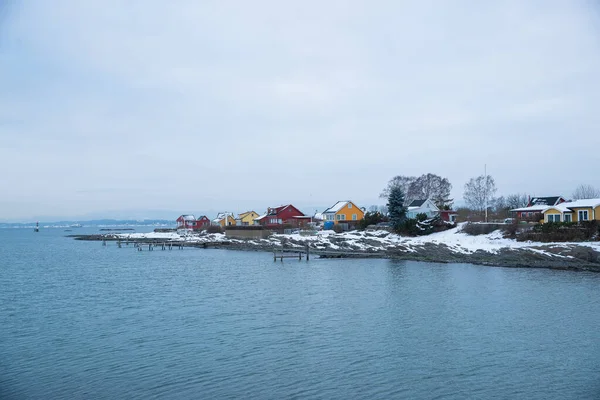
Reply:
x=79, y=320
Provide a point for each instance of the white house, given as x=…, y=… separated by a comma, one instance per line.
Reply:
x=426, y=207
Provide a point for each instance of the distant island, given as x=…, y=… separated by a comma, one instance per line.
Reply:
x=91, y=223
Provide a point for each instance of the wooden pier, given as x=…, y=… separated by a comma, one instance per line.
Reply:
x=279, y=253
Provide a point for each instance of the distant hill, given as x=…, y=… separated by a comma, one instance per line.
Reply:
x=94, y=222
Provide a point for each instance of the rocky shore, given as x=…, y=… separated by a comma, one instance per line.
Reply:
x=451, y=246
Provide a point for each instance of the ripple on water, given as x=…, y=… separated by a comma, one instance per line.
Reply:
x=81, y=320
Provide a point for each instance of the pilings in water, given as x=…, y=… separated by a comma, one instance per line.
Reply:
x=291, y=253
x=139, y=246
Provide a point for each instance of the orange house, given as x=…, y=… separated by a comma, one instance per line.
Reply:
x=343, y=212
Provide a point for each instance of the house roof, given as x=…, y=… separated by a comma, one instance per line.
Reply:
x=201, y=217
x=242, y=215
x=417, y=203
x=545, y=201
x=531, y=209
x=336, y=207
x=590, y=203
x=221, y=216
x=562, y=207
x=277, y=210
x=188, y=217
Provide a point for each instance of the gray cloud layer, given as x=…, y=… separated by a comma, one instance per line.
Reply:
x=231, y=105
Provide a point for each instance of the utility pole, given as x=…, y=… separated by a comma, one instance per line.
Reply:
x=485, y=191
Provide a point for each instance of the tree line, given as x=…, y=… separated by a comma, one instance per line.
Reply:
x=479, y=196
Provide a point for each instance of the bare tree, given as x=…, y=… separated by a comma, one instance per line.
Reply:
x=517, y=200
x=426, y=186
x=430, y=186
x=586, y=192
x=479, y=192
x=500, y=204
x=401, y=181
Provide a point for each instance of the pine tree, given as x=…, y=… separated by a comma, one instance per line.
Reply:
x=396, y=209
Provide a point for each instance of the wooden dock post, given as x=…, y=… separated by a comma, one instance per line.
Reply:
x=103, y=242
x=119, y=243
x=307, y=252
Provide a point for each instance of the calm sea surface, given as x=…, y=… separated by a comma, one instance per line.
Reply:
x=78, y=320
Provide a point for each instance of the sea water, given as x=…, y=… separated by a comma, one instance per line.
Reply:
x=82, y=320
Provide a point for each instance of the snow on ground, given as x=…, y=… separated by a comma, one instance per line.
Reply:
x=456, y=240
x=174, y=236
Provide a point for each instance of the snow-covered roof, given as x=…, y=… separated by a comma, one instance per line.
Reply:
x=221, y=216
x=562, y=207
x=188, y=217
x=422, y=204
x=531, y=209
x=593, y=203
x=336, y=207
x=260, y=217
x=546, y=201
x=318, y=215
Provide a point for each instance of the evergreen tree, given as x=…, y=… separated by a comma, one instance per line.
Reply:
x=396, y=209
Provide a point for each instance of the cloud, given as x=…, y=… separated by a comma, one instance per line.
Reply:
x=227, y=103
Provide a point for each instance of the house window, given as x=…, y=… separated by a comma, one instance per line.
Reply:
x=554, y=218
x=530, y=214
x=340, y=217
x=567, y=217
x=582, y=215
x=354, y=218
x=349, y=205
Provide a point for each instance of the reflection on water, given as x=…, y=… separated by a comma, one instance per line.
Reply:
x=80, y=320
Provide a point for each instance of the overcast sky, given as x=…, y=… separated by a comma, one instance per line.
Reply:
x=111, y=107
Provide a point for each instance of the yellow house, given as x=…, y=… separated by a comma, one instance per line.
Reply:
x=343, y=212
x=573, y=211
x=247, y=218
x=224, y=219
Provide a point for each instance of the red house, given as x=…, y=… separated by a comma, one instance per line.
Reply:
x=448, y=215
x=202, y=223
x=186, y=222
x=277, y=217
x=535, y=207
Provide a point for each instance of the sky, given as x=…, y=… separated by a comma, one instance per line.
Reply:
x=152, y=109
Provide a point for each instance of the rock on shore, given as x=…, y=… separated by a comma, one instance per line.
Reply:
x=452, y=246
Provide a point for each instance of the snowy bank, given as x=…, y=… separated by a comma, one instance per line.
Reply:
x=449, y=246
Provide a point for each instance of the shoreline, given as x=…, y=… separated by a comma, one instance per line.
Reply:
x=485, y=250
